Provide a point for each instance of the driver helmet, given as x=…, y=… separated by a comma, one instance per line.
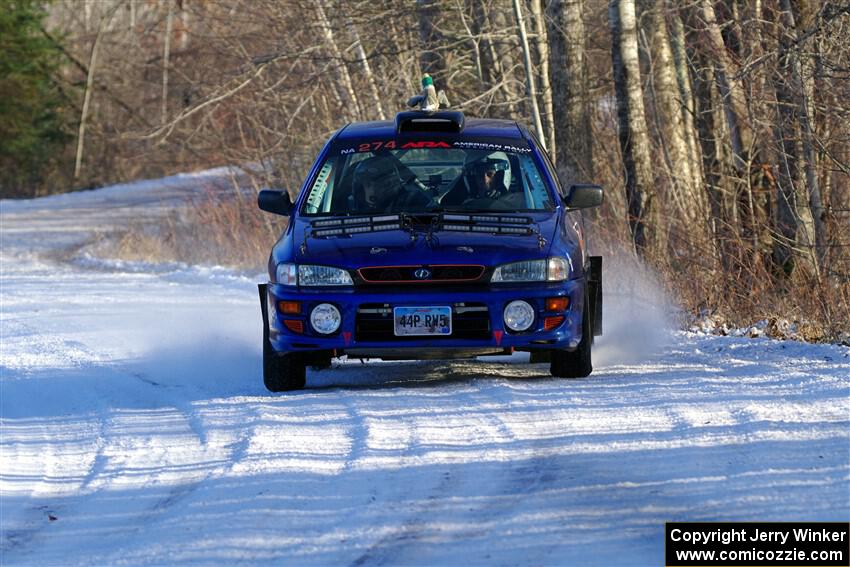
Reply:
x=479, y=162
x=375, y=182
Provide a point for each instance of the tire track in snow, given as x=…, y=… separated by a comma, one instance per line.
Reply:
x=408, y=540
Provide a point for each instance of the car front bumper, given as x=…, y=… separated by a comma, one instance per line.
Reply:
x=357, y=337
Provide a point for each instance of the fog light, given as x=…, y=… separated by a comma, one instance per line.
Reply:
x=325, y=318
x=519, y=315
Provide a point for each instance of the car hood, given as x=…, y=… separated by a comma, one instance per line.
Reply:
x=403, y=248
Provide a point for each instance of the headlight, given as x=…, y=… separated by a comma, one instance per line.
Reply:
x=531, y=271
x=287, y=274
x=293, y=274
x=323, y=275
x=553, y=270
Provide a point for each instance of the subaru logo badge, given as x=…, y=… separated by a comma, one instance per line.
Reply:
x=422, y=274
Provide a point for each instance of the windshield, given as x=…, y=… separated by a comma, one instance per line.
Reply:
x=425, y=180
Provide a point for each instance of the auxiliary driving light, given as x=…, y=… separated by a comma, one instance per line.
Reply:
x=519, y=315
x=325, y=318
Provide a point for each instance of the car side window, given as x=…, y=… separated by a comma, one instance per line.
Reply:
x=318, y=199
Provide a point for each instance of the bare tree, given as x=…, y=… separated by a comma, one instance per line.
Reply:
x=570, y=100
x=92, y=67
x=634, y=136
x=504, y=43
x=429, y=35
x=686, y=95
x=166, y=56
x=367, y=69
x=542, y=44
x=347, y=96
x=529, y=71
x=670, y=116
x=740, y=131
x=801, y=100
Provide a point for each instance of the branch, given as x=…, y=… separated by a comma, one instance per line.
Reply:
x=167, y=129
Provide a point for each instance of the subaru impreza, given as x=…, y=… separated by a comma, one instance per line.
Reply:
x=431, y=236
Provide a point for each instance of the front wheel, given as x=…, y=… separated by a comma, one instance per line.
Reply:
x=577, y=363
x=282, y=373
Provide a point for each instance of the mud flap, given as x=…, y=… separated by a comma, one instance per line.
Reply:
x=594, y=292
x=264, y=310
x=538, y=356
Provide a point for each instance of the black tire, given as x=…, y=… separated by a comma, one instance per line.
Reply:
x=577, y=363
x=282, y=372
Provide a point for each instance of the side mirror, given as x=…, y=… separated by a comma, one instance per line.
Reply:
x=583, y=196
x=273, y=201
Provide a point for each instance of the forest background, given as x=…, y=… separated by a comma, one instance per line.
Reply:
x=719, y=129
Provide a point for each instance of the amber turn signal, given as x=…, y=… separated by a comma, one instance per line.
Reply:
x=557, y=303
x=294, y=325
x=550, y=323
x=289, y=307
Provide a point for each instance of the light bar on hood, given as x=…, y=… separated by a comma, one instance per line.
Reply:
x=490, y=224
x=354, y=225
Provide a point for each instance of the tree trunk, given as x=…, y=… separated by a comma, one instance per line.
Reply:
x=571, y=112
x=803, y=97
x=545, y=84
x=786, y=219
x=634, y=137
x=166, y=56
x=687, y=195
x=683, y=78
x=84, y=113
x=529, y=72
x=430, y=37
x=367, y=69
x=740, y=132
x=706, y=116
x=489, y=60
x=501, y=27
x=801, y=218
x=347, y=95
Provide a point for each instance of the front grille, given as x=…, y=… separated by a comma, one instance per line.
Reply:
x=417, y=274
x=375, y=323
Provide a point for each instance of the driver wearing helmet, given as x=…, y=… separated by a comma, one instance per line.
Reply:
x=483, y=178
x=378, y=187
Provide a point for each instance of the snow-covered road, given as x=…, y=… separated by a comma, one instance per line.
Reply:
x=136, y=429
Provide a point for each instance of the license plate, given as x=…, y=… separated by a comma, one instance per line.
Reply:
x=422, y=321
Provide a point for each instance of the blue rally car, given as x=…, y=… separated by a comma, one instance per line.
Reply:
x=430, y=236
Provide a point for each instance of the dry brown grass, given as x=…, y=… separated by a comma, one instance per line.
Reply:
x=750, y=291
x=231, y=231
x=220, y=230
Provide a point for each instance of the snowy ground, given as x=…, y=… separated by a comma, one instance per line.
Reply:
x=136, y=430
